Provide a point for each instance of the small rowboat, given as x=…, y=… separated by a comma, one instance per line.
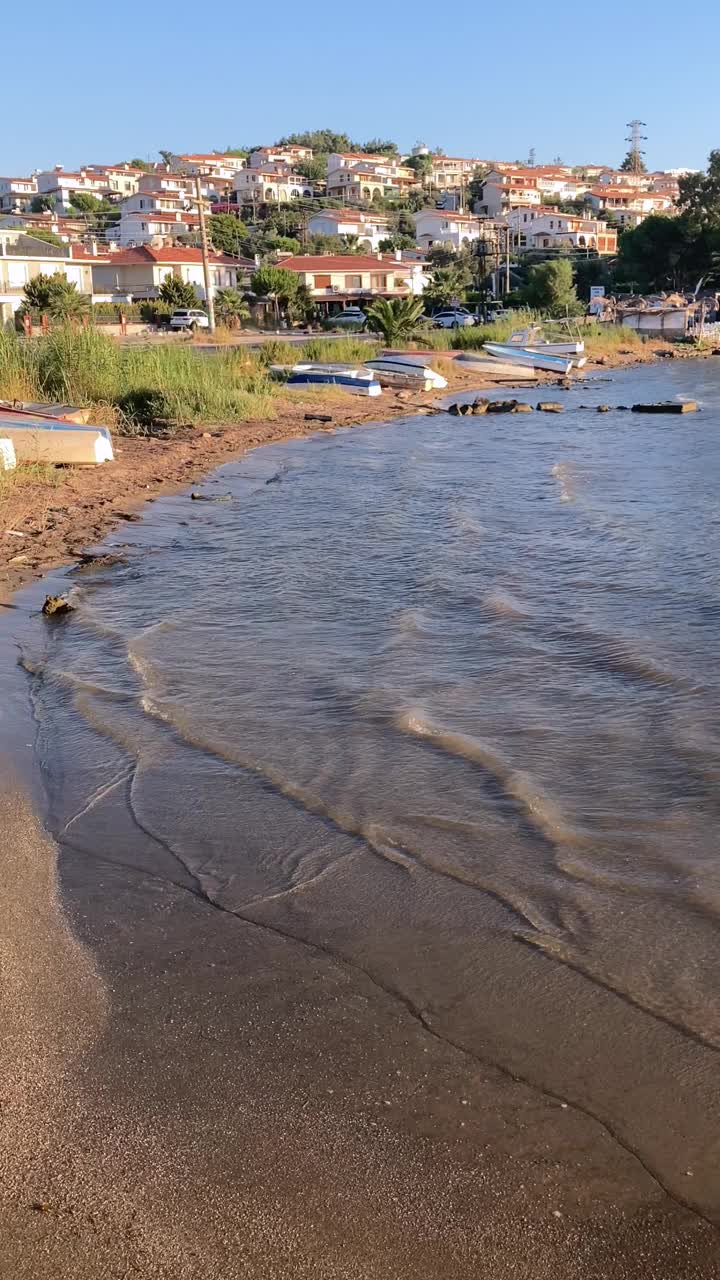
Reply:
x=505, y=351
x=54, y=441
x=404, y=371
x=359, y=382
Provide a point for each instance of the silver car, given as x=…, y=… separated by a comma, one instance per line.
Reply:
x=453, y=318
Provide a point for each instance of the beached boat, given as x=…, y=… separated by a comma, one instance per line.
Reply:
x=38, y=409
x=534, y=359
x=532, y=340
x=359, y=382
x=496, y=370
x=406, y=371
x=51, y=440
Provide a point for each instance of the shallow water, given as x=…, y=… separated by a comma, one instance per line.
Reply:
x=443, y=698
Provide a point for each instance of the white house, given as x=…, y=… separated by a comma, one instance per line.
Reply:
x=125, y=275
x=62, y=186
x=16, y=194
x=452, y=173
x=121, y=179
x=266, y=185
x=506, y=189
x=440, y=226
x=547, y=229
x=22, y=258
x=338, y=280
x=370, y=228
x=266, y=157
x=629, y=205
x=214, y=164
x=354, y=176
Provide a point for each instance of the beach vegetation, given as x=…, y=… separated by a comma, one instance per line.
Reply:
x=396, y=319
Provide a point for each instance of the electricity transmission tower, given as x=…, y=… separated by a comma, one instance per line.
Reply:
x=635, y=137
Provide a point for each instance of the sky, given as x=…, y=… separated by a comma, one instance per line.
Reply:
x=481, y=80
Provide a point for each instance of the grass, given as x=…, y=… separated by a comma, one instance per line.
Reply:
x=130, y=386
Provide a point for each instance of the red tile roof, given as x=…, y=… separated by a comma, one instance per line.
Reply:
x=350, y=262
x=146, y=254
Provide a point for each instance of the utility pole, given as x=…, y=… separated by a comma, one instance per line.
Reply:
x=205, y=256
x=507, y=260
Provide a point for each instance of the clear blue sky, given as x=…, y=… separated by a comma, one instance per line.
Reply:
x=490, y=80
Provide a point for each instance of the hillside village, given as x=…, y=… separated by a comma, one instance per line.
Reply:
x=353, y=224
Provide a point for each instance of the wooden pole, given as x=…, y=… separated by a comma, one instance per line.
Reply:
x=205, y=256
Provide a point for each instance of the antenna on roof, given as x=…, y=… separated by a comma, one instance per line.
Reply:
x=635, y=137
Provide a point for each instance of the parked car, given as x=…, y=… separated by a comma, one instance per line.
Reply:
x=189, y=318
x=453, y=318
x=350, y=318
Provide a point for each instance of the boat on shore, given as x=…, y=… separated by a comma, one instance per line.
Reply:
x=51, y=440
x=37, y=409
x=559, y=364
x=495, y=369
x=359, y=382
x=405, y=371
x=532, y=340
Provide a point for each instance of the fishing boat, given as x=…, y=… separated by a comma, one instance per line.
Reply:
x=51, y=440
x=496, y=370
x=538, y=359
x=532, y=340
x=38, y=409
x=405, y=371
x=359, y=382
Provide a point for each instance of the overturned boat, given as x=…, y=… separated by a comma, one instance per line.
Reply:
x=406, y=371
x=51, y=440
x=359, y=382
x=534, y=359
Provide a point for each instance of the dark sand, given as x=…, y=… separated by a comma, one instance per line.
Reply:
x=212, y=1099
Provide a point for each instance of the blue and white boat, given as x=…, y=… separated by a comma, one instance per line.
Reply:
x=505, y=351
x=359, y=382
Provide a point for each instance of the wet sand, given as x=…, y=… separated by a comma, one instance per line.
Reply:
x=212, y=1098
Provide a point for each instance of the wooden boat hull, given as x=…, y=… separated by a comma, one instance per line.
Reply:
x=534, y=359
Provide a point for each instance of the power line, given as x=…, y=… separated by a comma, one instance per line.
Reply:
x=635, y=137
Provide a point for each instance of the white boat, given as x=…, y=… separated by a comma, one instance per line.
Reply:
x=535, y=359
x=405, y=371
x=57, y=442
x=359, y=382
x=496, y=370
x=532, y=340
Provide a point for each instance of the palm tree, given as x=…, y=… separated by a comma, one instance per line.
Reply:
x=66, y=304
x=396, y=319
x=231, y=308
x=351, y=244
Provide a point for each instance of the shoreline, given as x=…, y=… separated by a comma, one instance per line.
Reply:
x=49, y=525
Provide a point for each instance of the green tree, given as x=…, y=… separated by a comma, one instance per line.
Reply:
x=477, y=182
x=227, y=233
x=351, y=244
x=396, y=319
x=322, y=141
x=633, y=163
x=66, y=303
x=448, y=284
x=42, y=204
x=231, y=308
x=85, y=202
x=240, y=152
x=422, y=165
x=301, y=307
x=177, y=293
x=551, y=288
x=137, y=163
x=313, y=168
x=325, y=244
x=380, y=147
x=397, y=242
x=38, y=292
x=700, y=194
x=168, y=157
x=279, y=285
x=665, y=253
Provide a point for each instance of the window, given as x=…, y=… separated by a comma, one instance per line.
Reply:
x=378, y=282
x=322, y=282
x=353, y=282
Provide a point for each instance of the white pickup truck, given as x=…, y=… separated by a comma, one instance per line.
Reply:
x=189, y=318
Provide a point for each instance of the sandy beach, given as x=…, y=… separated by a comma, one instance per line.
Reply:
x=197, y=1082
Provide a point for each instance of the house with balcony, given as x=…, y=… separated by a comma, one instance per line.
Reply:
x=212, y=164
x=136, y=274
x=16, y=194
x=541, y=229
x=560, y=183
x=287, y=156
x=148, y=214
x=258, y=186
x=442, y=227
x=22, y=258
x=62, y=185
x=67, y=229
x=506, y=189
x=356, y=177
x=629, y=205
x=369, y=228
x=453, y=173
x=121, y=179
x=339, y=280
